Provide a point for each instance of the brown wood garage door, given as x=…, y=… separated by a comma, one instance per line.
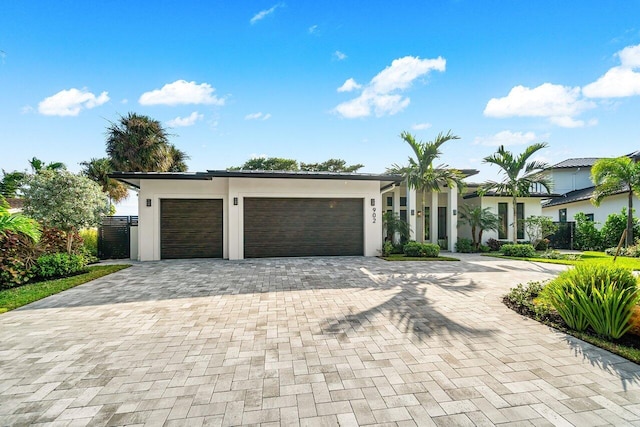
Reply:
x=279, y=227
x=190, y=228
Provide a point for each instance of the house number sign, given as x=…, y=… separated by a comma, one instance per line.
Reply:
x=373, y=216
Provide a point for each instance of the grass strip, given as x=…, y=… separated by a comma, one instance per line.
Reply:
x=589, y=256
x=401, y=257
x=10, y=299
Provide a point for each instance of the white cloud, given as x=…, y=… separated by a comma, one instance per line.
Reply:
x=71, y=102
x=264, y=13
x=339, y=55
x=421, y=126
x=378, y=96
x=181, y=92
x=313, y=29
x=620, y=81
x=257, y=116
x=506, y=138
x=349, y=85
x=27, y=109
x=560, y=104
x=185, y=121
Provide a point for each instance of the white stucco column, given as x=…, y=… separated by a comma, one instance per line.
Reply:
x=452, y=224
x=411, y=211
x=396, y=209
x=433, y=219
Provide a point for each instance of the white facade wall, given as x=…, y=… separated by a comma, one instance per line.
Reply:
x=612, y=204
x=532, y=207
x=566, y=180
x=229, y=188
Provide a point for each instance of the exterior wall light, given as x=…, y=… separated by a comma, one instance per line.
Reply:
x=373, y=202
x=455, y=212
x=419, y=213
x=413, y=212
x=235, y=201
x=148, y=202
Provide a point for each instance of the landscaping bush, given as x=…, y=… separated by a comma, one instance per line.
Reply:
x=599, y=296
x=518, y=250
x=484, y=248
x=90, y=241
x=551, y=254
x=631, y=251
x=416, y=249
x=522, y=299
x=614, y=226
x=387, y=248
x=464, y=246
x=60, y=265
x=54, y=240
x=587, y=236
x=543, y=245
x=494, y=245
x=18, y=254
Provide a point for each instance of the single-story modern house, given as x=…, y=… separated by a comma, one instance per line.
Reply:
x=253, y=214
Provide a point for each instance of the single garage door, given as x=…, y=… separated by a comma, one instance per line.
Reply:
x=190, y=228
x=283, y=227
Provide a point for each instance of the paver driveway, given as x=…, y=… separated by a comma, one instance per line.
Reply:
x=322, y=341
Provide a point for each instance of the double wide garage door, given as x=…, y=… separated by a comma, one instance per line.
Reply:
x=283, y=227
x=190, y=228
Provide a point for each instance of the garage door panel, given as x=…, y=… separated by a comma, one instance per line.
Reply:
x=303, y=227
x=190, y=228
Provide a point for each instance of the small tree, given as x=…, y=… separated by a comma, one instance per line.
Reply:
x=479, y=220
x=392, y=224
x=65, y=201
x=268, y=164
x=539, y=228
x=331, y=165
x=587, y=237
x=615, y=225
x=11, y=183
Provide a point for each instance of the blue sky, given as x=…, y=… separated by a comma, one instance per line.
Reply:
x=316, y=80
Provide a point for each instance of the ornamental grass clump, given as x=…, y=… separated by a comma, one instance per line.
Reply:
x=602, y=297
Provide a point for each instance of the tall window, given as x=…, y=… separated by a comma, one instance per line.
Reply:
x=427, y=223
x=590, y=217
x=562, y=214
x=442, y=222
x=389, y=200
x=403, y=201
x=503, y=214
x=520, y=215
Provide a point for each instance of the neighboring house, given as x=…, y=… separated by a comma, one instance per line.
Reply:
x=571, y=179
x=15, y=205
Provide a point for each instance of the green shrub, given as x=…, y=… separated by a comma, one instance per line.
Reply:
x=416, y=249
x=543, y=245
x=90, y=241
x=587, y=236
x=60, y=265
x=484, y=248
x=522, y=299
x=631, y=251
x=18, y=255
x=387, y=248
x=464, y=246
x=599, y=296
x=518, y=250
x=551, y=254
x=614, y=226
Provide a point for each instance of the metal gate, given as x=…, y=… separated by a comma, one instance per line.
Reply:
x=563, y=238
x=114, y=237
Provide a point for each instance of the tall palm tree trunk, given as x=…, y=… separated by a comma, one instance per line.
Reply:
x=515, y=219
x=629, y=241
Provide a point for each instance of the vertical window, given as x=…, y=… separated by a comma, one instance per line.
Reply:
x=427, y=223
x=503, y=214
x=403, y=201
x=389, y=200
x=520, y=216
x=562, y=214
x=403, y=214
x=590, y=217
x=442, y=222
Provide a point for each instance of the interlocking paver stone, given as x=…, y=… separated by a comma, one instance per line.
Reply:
x=308, y=341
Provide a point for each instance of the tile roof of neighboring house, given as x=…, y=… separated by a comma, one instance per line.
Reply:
x=581, y=162
x=15, y=203
x=576, y=196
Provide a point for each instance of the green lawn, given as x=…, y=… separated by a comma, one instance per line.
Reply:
x=13, y=298
x=590, y=257
x=402, y=257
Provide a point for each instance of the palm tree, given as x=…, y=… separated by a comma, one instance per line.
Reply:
x=420, y=173
x=38, y=165
x=613, y=176
x=393, y=224
x=479, y=219
x=520, y=176
x=138, y=143
x=17, y=223
x=98, y=170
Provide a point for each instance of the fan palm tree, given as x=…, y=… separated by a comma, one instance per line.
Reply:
x=613, y=176
x=98, y=170
x=17, y=223
x=38, y=165
x=420, y=173
x=393, y=224
x=520, y=175
x=137, y=143
x=479, y=219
